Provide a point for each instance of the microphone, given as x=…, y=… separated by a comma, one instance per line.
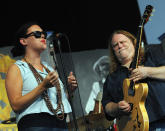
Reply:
x=52, y=53
x=51, y=48
x=59, y=35
x=56, y=36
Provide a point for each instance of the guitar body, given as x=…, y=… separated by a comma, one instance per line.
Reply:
x=137, y=120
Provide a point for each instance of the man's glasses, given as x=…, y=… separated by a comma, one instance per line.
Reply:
x=36, y=34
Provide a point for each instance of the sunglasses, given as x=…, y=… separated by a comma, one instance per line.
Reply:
x=37, y=34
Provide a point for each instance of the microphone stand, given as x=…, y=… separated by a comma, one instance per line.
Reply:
x=52, y=52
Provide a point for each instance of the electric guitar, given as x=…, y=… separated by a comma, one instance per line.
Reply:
x=135, y=93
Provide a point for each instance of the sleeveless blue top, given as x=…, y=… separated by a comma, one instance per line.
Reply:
x=30, y=82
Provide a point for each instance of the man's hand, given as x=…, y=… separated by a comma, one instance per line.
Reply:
x=124, y=107
x=139, y=73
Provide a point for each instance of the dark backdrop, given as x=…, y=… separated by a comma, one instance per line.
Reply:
x=87, y=24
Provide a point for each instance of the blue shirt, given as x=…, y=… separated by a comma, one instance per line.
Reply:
x=155, y=105
x=30, y=82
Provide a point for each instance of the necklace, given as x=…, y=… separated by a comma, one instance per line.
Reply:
x=39, y=78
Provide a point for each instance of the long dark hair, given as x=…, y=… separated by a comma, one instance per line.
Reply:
x=18, y=48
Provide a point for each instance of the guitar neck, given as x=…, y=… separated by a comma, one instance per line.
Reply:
x=135, y=61
x=143, y=21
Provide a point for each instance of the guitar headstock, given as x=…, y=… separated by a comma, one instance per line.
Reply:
x=147, y=13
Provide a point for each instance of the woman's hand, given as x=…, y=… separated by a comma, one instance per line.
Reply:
x=51, y=79
x=72, y=81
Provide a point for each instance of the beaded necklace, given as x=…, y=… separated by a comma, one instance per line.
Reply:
x=39, y=78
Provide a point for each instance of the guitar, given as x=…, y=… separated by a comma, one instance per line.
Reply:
x=135, y=93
